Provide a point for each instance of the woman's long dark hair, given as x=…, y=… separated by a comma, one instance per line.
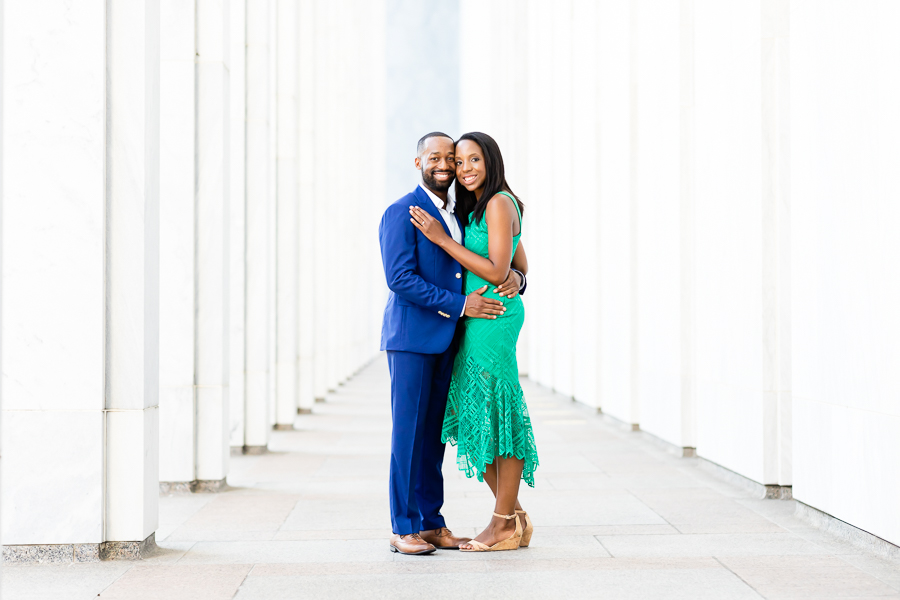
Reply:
x=468, y=208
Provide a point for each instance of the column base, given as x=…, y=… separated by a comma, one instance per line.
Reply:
x=192, y=487
x=128, y=550
x=304, y=411
x=51, y=553
x=78, y=553
x=779, y=492
x=174, y=487
x=283, y=427
x=760, y=490
x=254, y=450
x=320, y=399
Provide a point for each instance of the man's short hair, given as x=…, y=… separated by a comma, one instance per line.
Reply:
x=421, y=145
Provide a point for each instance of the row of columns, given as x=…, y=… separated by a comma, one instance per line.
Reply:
x=190, y=200
x=595, y=106
x=707, y=221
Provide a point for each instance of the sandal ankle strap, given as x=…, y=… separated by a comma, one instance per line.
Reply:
x=507, y=517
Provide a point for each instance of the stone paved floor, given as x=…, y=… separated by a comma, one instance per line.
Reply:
x=616, y=517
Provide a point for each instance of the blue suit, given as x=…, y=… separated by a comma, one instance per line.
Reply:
x=418, y=332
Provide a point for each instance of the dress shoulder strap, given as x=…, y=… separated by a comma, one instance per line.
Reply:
x=515, y=203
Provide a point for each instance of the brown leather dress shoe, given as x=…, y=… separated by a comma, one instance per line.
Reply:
x=410, y=543
x=443, y=539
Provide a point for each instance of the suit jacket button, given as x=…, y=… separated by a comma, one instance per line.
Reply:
x=459, y=275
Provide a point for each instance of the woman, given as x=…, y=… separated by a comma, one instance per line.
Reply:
x=486, y=415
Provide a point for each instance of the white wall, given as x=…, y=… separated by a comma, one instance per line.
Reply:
x=845, y=148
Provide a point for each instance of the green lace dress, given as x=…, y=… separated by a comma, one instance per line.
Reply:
x=486, y=414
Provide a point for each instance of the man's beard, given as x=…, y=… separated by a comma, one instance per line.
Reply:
x=434, y=184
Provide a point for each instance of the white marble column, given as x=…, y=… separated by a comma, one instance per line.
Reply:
x=322, y=285
x=563, y=169
x=632, y=411
x=1, y=245
x=212, y=264
x=194, y=295
x=272, y=227
x=81, y=448
x=237, y=206
x=177, y=181
x=687, y=435
x=538, y=109
x=287, y=215
x=306, y=165
x=132, y=270
x=776, y=245
x=339, y=189
x=53, y=241
x=342, y=219
x=256, y=413
x=615, y=303
x=585, y=182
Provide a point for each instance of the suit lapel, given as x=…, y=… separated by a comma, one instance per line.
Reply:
x=425, y=202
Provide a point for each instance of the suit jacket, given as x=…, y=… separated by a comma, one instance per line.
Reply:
x=426, y=284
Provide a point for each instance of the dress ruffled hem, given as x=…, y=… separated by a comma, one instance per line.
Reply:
x=487, y=417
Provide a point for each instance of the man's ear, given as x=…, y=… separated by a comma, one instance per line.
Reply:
x=418, y=164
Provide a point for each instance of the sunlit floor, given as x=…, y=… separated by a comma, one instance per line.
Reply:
x=616, y=516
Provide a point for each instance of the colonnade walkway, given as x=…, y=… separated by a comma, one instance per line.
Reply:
x=616, y=516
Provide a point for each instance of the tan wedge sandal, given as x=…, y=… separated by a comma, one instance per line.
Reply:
x=510, y=543
x=529, y=529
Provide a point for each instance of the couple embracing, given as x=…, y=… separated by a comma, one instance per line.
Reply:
x=455, y=271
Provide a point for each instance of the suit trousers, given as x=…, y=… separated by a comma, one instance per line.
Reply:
x=419, y=387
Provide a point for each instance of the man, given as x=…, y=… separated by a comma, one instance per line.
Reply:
x=425, y=305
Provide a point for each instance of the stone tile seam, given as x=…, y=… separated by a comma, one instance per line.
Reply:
x=608, y=551
x=237, y=590
x=185, y=553
x=114, y=581
x=650, y=508
x=724, y=566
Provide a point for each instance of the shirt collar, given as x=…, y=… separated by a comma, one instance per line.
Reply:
x=451, y=198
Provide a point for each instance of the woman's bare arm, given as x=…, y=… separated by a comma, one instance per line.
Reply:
x=520, y=261
x=500, y=217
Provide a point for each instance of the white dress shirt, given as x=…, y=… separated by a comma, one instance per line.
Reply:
x=446, y=213
x=449, y=218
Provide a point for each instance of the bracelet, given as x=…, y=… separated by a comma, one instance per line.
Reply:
x=523, y=283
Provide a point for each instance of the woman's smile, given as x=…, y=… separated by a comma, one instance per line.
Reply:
x=470, y=169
